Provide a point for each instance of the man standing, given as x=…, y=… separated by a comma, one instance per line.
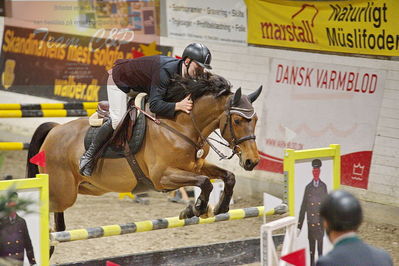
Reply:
x=14, y=236
x=342, y=215
x=315, y=191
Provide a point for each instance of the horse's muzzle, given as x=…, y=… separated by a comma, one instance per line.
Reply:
x=249, y=164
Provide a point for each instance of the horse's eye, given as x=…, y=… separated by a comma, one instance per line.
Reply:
x=237, y=121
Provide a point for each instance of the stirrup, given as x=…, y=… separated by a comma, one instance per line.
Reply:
x=86, y=171
x=87, y=168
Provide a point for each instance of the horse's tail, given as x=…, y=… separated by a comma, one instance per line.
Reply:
x=36, y=142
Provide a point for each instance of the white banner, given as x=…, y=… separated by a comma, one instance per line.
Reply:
x=221, y=21
x=312, y=105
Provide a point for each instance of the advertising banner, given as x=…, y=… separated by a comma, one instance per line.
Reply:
x=310, y=105
x=63, y=66
x=221, y=21
x=357, y=26
x=87, y=16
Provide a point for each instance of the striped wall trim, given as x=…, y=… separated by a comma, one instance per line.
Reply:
x=46, y=113
x=44, y=106
x=149, y=225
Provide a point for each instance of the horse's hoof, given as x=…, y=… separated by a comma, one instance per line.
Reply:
x=208, y=213
x=52, y=248
x=219, y=210
x=188, y=212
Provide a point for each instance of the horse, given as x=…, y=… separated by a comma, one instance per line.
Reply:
x=167, y=159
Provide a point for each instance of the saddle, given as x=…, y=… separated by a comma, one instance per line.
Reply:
x=131, y=130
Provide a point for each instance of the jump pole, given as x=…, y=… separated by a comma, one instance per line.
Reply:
x=13, y=146
x=163, y=223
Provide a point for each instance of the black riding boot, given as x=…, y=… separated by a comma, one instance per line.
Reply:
x=87, y=162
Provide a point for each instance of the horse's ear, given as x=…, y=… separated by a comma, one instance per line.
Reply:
x=237, y=97
x=253, y=96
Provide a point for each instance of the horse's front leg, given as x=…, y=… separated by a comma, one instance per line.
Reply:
x=229, y=180
x=176, y=178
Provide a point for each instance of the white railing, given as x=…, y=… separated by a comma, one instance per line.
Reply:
x=269, y=256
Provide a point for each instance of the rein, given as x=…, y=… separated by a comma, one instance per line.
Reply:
x=173, y=130
x=221, y=155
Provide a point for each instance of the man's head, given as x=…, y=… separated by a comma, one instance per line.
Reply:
x=12, y=203
x=196, y=58
x=341, y=212
x=316, y=164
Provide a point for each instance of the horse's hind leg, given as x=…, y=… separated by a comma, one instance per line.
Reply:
x=176, y=178
x=59, y=223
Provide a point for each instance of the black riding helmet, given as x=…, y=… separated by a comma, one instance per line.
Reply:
x=342, y=211
x=198, y=53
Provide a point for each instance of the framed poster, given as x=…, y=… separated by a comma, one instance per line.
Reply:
x=312, y=174
x=24, y=234
x=149, y=21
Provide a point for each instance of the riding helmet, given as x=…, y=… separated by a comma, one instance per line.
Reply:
x=199, y=53
x=342, y=211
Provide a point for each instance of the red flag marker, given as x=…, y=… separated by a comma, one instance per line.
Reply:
x=110, y=263
x=296, y=258
x=39, y=159
x=137, y=53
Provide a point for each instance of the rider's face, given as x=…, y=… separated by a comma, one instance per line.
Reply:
x=195, y=70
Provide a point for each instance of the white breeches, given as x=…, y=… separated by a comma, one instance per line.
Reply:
x=117, y=100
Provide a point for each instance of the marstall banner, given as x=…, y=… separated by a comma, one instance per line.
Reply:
x=221, y=21
x=63, y=66
x=311, y=105
x=357, y=26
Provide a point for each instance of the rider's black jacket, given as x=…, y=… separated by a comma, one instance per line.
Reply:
x=149, y=74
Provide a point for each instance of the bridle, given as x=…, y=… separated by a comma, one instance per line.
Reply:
x=229, y=121
x=234, y=141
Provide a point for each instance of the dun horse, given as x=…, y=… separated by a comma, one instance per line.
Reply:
x=167, y=159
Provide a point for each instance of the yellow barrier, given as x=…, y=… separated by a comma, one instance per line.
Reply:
x=46, y=113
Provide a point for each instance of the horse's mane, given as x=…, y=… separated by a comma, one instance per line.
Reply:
x=206, y=84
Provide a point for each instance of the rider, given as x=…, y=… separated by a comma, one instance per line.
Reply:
x=152, y=75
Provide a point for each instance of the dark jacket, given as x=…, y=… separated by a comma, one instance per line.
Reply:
x=14, y=239
x=354, y=252
x=149, y=74
x=311, y=204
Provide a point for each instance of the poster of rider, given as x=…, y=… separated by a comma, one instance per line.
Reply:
x=310, y=105
x=20, y=230
x=63, y=66
x=313, y=180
